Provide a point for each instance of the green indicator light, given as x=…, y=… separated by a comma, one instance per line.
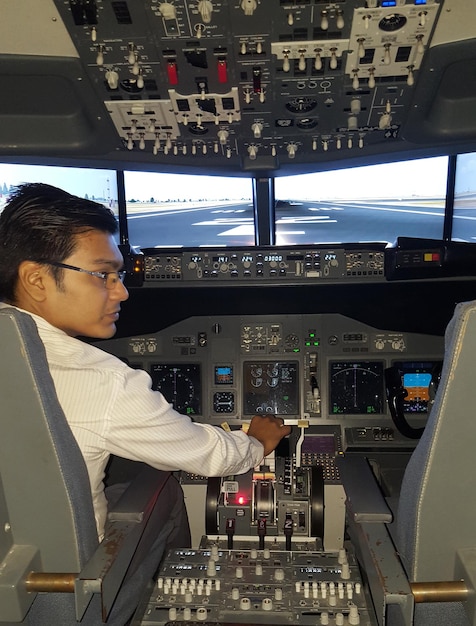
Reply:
x=316, y=343
x=308, y=343
x=311, y=335
x=296, y=350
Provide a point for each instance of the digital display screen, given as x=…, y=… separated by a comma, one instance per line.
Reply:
x=417, y=377
x=270, y=387
x=180, y=385
x=223, y=375
x=318, y=444
x=356, y=387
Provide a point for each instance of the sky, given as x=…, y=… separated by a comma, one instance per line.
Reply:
x=466, y=173
x=424, y=177
x=99, y=184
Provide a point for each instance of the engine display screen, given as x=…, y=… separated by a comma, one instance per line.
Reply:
x=356, y=387
x=180, y=385
x=417, y=378
x=270, y=387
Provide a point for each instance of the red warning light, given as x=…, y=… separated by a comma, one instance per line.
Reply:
x=241, y=500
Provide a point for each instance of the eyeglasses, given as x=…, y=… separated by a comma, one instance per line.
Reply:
x=110, y=278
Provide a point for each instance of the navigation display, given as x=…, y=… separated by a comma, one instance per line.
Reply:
x=356, y=387
x=180, y=385
x=270, y=387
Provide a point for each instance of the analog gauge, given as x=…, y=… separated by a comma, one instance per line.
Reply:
x=356, y=387
x=195, y=129
x=301, y=104
x=392, y=22
x=180, y=385
x=130, y=85
x=307, y=123
x=292, y=341
x=224, y=402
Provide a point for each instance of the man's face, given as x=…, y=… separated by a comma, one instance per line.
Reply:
x=82, y=305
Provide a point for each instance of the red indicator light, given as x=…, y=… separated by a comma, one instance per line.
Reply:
x=241, y=500
x=222, y=71
x=431, y=257
x=172, y=73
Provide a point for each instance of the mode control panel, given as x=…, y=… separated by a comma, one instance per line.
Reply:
x=249, y=265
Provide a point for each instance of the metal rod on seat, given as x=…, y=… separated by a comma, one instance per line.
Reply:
x=444, y=591
x=50, y=582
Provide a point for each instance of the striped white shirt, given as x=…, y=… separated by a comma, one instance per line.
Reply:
x=112, y=409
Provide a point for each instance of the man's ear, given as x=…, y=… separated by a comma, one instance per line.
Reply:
x=32, y=280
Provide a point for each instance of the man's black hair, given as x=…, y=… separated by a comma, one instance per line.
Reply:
x=40, y=223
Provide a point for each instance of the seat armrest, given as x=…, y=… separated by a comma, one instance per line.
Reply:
x=136, y=499
x=367, y=517
x=104, y=572
x=364, y=499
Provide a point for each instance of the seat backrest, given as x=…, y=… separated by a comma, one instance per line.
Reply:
x=437, y=507
x=45, y=495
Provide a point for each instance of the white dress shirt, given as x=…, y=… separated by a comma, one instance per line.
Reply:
x=112, y=409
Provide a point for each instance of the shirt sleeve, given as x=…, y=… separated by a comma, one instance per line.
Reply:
x=143, y=426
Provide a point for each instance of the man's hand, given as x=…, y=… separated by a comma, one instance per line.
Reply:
x=268, y=430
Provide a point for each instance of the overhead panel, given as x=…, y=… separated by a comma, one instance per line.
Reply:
x=256, y=84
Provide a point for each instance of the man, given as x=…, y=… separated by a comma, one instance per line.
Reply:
x=60, y=263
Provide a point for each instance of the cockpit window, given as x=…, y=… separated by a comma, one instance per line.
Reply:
x=188, y=210
x=361, y=204
x=90, y=183
x=464, y=216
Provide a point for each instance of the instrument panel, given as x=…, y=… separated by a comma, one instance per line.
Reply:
x=323, y=369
